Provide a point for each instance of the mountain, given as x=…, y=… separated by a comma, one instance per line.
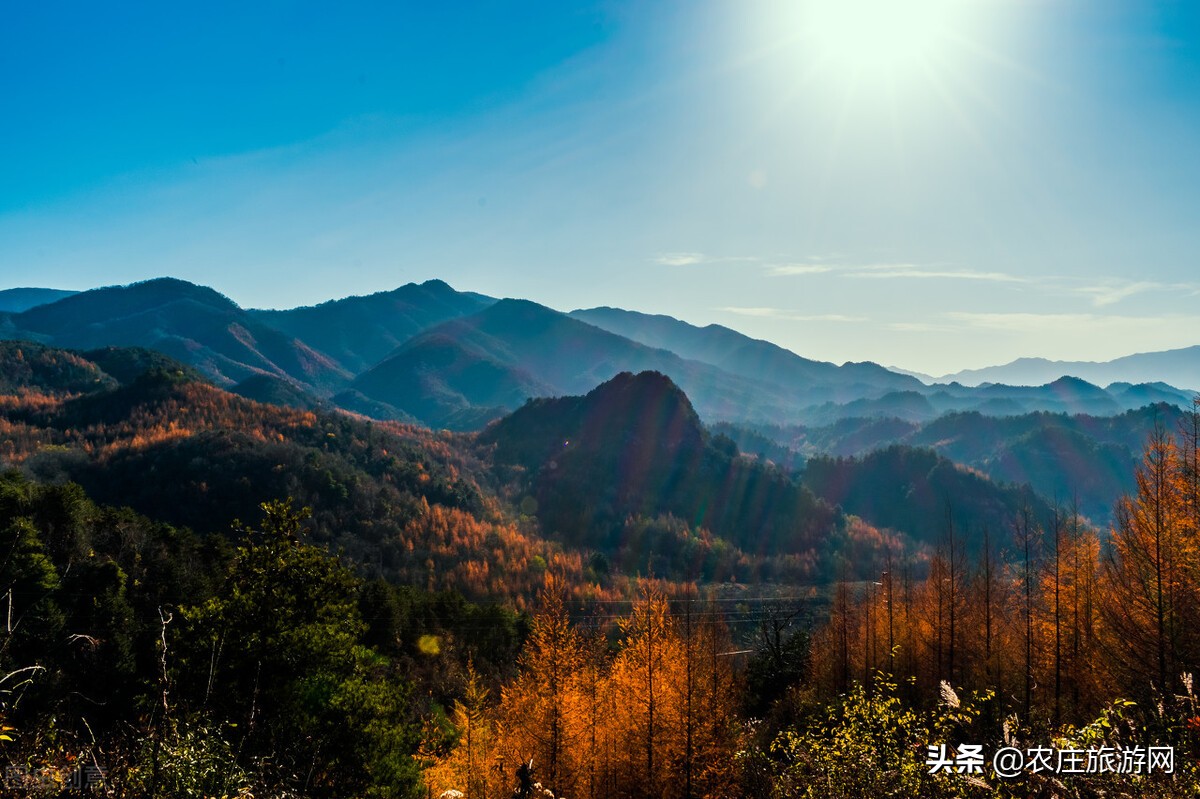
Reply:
x=1062, y=456
x=1071, y=394
x=450, y=381
x=624, y=479
x=450, y=359
x=1179, y=367
x=359, y=331
x=921, y=493
x=273, y=390
x=812, y=381
x=397, y=500
x=190, y=323
x=1068, y=395
x=22, y=299
x=478, y=367
x=634, y=447
x=1135, y=396
x=26, y=366
x=865, y=389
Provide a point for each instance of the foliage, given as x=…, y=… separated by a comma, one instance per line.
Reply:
x=870, y=744
x=907, y=489
x=653, y=718
x=285, y=667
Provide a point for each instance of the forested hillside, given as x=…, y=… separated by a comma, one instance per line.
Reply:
x=1065, y=458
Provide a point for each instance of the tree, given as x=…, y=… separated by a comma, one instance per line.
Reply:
x=536, y=706
x=277, y=654
x=639, y=673
x=1027, y=535
x=1146, y=571
x=469, y=766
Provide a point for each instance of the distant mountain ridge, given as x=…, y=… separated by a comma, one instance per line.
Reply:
x=191, y=323
x=1080, y=457
x=361, y=331
x=427, y=353
x=22, y=299
x=489, y=363
x=739, y=354
x=1178, y=367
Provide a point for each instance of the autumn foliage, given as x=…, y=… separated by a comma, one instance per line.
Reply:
x=1055, y=616
x=651, y=715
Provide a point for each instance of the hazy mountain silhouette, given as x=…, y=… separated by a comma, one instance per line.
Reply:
x=741, y=355
x=450, y=381
x=22, y=299
x=494, y=360
x=1068, y=395
x=192, y=323
x=456, y=359
x=359, y=331
x=1179, y=367
x=1062, y=456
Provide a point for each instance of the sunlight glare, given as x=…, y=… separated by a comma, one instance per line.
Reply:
x=876, y=36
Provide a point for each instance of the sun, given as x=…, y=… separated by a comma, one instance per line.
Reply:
x=877, y=38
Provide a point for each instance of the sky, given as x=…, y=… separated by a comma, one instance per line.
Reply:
x=929, y=184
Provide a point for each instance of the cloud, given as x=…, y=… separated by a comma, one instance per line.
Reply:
x=779, y=313
x=759, y=312
x=784, y=270
x=893, y=271
x=913, y=271
x=1111, y=291
x=693, y=258
x=1021, y=322
x=829, y=317
x=680, y=258
x=1076, y=324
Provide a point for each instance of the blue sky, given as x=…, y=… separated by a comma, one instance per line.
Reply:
x=972, y=182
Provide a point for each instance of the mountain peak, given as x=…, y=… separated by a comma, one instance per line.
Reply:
x=646, y=410
x=111, y=302
x=171, y=288
x=76, y=315
x=438, y=285
x=649, y=387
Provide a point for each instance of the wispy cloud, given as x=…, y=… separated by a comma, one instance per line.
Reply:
x=784, y=270
x=780, y=313
x=916, y=272
x=1111, y=291
x=1100, y=291
x=680, y=258
x=892, y=271
x=827, y=317
x=693, y=258
x=1025, y=322
x=740, y=310
x=1072, y=324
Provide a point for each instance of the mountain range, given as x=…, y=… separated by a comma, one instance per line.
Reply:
x=621, y=480
x=430, y=354
x=1178, y=367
